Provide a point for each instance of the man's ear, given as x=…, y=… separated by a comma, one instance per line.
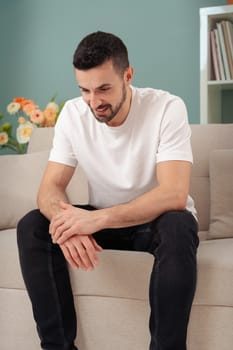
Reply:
x=129, y=74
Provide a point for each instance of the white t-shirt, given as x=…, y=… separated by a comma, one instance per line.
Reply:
x=120, y=162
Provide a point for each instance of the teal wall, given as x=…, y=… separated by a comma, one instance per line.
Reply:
x=38, y=38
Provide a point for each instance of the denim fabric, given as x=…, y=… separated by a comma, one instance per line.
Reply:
x=171, y=238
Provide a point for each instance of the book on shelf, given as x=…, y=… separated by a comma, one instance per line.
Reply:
x=215, y=63
x=223, y=50
x=219, y=55
x=228, y=34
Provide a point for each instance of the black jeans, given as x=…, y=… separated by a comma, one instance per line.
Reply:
x=171, y=238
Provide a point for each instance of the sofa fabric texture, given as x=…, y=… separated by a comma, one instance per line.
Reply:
x=221, y=194
x=20, y=178
x=114, y=297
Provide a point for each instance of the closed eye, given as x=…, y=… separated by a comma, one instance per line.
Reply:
x=105, y=88
x=102, y=88
x=84, y=90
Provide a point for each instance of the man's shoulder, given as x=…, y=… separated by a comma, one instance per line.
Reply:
x=75, y=103
x=74, y=108
x=74, y=113
x=151, y=94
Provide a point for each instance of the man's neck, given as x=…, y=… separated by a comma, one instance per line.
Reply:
x=123, y=113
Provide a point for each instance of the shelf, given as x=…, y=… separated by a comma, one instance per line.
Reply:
x=212, y=92
x=224, y=10
x=221, y=84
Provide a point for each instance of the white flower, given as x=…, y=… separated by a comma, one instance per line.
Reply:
x=23, y=132
x=3, y=138
x=53, y=105
x=13, y=107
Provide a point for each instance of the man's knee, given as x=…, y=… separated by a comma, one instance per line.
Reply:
x=30, y=224
x=178, y=230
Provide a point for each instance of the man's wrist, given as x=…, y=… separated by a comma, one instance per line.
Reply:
x=103, y=218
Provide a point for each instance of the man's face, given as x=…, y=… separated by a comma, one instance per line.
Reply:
x=105, y=91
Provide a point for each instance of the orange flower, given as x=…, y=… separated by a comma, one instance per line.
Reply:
x=25, y=102
x=3, y=138
x=26, y=105
x=28, y=108
x=19, y=100
x=50, y=117
x=37, y=117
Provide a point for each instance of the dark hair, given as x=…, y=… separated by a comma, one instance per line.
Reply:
x=98, y=47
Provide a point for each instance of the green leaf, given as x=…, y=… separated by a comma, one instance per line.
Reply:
x=61, y=105
x=53, y=98
x=6, y=127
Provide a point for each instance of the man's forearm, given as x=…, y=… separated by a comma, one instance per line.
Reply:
x=143, y=209
x=48, y=201
x=170, y=194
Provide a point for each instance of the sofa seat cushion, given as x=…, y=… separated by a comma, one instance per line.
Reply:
x=113, y=279
x=215, y=271
x=10, y=273
x=115, y=276
x=126, y=322
x=210, y=328
x=18, y=330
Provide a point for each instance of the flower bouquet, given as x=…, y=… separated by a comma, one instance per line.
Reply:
x=29, y=116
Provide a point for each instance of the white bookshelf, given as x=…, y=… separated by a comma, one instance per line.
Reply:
x=211, y=90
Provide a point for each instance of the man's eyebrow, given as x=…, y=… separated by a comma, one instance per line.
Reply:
x=81, y=87
x=106, y=85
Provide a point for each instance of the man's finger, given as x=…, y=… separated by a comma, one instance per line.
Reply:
x=96, y=245
x=90, y=250
x=83, y=251
x=69, y=258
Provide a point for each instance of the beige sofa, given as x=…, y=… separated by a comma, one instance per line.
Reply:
x=112, y=301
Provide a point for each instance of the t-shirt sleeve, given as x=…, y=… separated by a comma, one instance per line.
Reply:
x=175, y=133
x=62, y=150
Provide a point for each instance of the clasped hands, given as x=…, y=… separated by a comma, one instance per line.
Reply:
x=72, y=229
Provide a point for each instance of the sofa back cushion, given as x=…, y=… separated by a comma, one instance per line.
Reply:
x=77, y=190
x=19, y=181
x=221, y=194
x=20, y=177
x=205, y=139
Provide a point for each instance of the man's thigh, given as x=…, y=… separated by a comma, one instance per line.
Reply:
x=145, y=237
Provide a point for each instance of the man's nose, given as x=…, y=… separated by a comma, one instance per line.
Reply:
x=94, y=101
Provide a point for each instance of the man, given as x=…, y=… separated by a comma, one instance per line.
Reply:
x=134, y=146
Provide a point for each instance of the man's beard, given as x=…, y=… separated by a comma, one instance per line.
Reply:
x=104, y=118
